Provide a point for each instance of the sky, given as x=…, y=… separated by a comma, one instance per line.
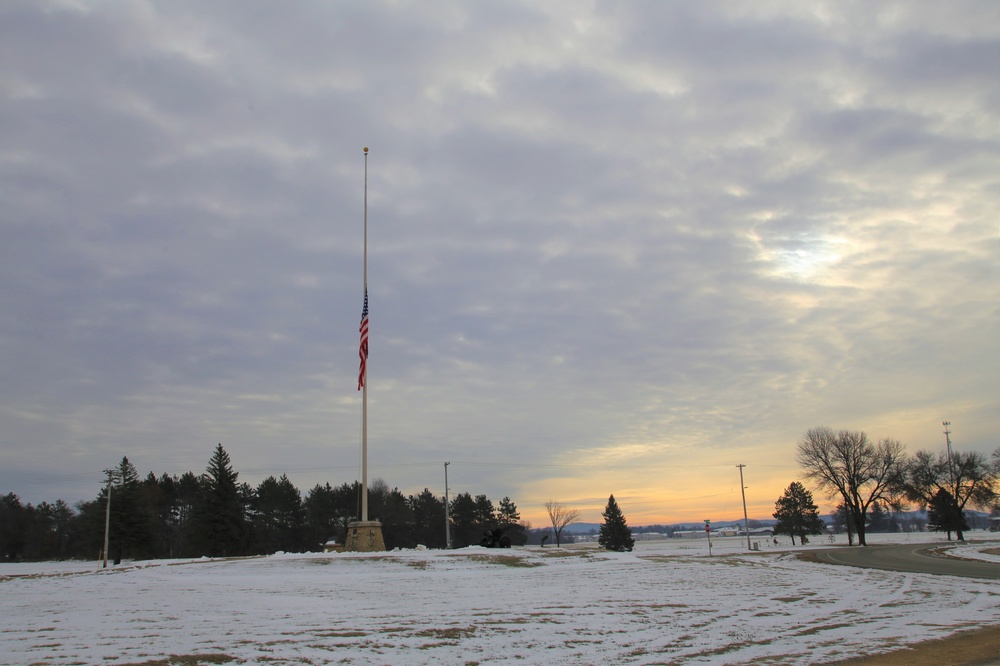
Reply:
x=613, y=247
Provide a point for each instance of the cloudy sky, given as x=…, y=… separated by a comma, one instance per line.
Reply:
x=614, y=247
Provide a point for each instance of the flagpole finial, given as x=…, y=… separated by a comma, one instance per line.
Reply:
x=366, y=150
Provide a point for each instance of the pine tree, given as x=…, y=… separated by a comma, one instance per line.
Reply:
x=221, y=527
x=797, y=514
x=615, y=533
x=508, y=519
x=130, y=533
x=278, y=520
x=944, y=515
x=428, y=519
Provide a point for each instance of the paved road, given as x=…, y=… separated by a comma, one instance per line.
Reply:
x=916, y=558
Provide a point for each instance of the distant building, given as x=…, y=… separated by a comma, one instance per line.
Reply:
x=648, y=536
x=690, y=534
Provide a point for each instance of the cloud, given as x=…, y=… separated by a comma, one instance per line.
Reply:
x=610, y=247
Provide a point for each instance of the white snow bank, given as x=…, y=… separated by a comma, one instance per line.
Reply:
x=662, y=603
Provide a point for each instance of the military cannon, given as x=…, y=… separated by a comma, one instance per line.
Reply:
x=495, y=539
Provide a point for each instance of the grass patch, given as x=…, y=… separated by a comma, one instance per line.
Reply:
x=812, y=631
x=449, y=634
x=559, y=552
x=505, y=560
x=186, y=660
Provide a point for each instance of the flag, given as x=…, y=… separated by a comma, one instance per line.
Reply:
x=363, y=351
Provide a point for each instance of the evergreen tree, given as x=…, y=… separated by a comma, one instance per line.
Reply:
x=90, y=527
x=185, y=494
x=427, y=513
x=130, y=534
x=220, y=525
x=278, y=518
x=465, y=527
x=347, y=505
x=615, y=533
x=391, y=509
x=508, y=519
x=844, y=522
x=944, y=514
x=320, y=516
x=154, y=506
x=64, y=527
x=797, y=514
x=878, y=519
x=13, y=528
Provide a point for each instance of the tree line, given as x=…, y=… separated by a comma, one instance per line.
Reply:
x=215, y=515
x=873, y=478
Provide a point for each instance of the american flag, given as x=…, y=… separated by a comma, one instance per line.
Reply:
x=363, y=351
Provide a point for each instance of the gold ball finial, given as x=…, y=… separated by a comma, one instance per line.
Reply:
x=366, y=149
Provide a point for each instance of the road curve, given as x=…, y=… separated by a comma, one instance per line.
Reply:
x=915, y=558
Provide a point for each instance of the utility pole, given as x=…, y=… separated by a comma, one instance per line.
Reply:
x=447, y=519
x=107, y=517
x=746, y=521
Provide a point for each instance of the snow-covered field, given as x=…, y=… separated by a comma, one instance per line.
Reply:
x=665, y=602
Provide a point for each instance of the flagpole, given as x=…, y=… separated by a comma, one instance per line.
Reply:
x=364, y=535
x=364, y=388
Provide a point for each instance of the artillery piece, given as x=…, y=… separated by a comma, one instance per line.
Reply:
x=495, y=539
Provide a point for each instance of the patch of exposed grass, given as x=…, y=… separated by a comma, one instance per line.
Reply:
x=667, y=606
x=505, y=560
x=560, y=552
x=812, y=631
x=543, y=617
x=186, y=660
x=451, y=633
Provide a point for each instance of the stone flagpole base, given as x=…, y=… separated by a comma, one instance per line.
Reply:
x=364, y=536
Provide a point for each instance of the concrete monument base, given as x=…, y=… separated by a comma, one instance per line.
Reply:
x=364, y=536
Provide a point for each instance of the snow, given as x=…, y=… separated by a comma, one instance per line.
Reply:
x=666, y=602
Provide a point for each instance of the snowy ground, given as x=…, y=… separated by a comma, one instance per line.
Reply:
x=666, y=602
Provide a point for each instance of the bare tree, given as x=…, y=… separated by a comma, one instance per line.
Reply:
x=967, y=478
x=847, y=464
x=561, y=516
